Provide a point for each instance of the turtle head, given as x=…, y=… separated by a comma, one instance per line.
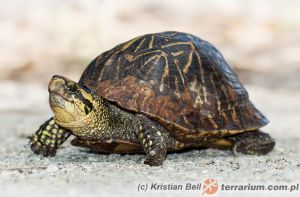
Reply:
x=69, y=101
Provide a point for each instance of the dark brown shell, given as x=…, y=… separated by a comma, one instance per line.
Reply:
x=179, y=80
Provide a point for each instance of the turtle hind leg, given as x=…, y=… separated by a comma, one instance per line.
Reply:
x=47, y=139
x=252, y=142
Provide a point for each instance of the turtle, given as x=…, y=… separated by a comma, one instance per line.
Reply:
x=154, y=94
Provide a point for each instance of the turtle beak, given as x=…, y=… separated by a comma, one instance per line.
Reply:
x=57, y=86
x=56, y=100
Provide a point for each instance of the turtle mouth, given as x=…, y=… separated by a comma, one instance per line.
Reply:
x=58, y=100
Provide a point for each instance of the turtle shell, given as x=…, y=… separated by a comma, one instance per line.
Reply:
x=177, y=79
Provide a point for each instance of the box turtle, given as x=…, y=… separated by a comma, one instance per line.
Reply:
x=153, y=94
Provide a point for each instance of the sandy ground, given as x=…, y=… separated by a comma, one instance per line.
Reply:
x=76, y=172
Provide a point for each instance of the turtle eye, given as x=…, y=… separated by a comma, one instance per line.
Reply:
x=72, y=88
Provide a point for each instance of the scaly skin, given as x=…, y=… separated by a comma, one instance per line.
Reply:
x=101, y=121
x=154, y=139
x=48, y=138
x=252, y=142
x=80, y=112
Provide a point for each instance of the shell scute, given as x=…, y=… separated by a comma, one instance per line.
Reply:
x=177, y=79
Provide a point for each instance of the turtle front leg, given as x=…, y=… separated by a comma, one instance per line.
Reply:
x=153, y=139
x=252, y=142
x=48, y=138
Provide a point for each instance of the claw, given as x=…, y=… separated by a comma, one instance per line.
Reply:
x=153, y=161
x=42, y=149
x=155, y=157
x=234, y=149
x=47, y=139
x=152, y=153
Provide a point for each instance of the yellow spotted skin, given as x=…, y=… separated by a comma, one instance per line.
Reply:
x=153, y=144
x=46, y=139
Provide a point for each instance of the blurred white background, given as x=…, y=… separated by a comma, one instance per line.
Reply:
x=259, y=38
